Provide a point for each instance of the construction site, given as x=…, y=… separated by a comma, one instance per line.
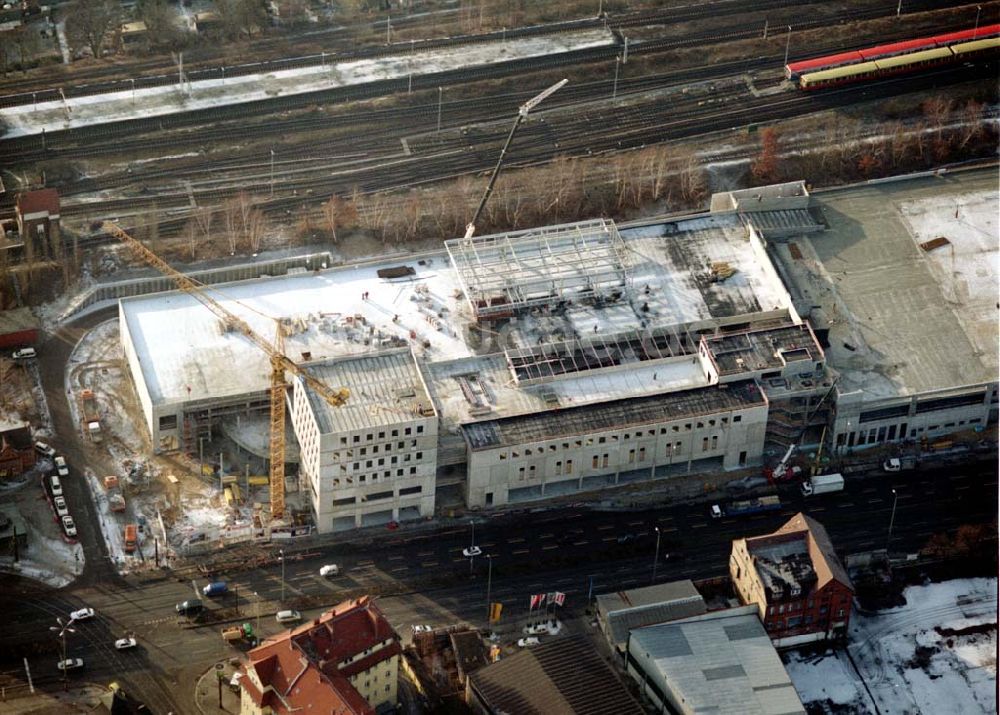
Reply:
x=503, y=369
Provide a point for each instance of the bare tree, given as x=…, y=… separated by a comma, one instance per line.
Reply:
x=160, y=20
x=241, y=16
x=90, y=22
x=256, y=229
x=972, y=118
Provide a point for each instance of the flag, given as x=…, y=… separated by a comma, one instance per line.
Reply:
x=560, y=598
x=537, y=601
x=495, y=610
x=550, y=598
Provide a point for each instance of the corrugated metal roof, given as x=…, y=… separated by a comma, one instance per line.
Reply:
x=564, y=676
x=385, y=389
x=699, y=664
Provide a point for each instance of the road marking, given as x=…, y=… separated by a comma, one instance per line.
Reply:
x=549, y=547
x=609, y=538
x=488, y=546
x=396, y=557
x=963, y=487
x=547, y=536
x=516, y=540
x=637, y=523
x=428, y=564
x=425, y=553
x=580, y=543
x=875, y=501
x=399, y=568
x=459, y=560
x=519, y=551
x=701, y=525
x=665, y=518
x=846, y=505
x=668, y=529
x=817, y=508
x=605, y=527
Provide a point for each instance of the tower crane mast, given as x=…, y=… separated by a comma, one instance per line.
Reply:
x=280, y=363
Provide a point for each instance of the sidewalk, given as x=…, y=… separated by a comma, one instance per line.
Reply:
x=207, y=690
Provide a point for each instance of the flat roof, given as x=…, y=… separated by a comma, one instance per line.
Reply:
x=385, y=389
x=765, y=349
x=904, y=319
x=482, y=388
x=720, y=662
x=185, y=355
x=638, y=607
x=616, y=414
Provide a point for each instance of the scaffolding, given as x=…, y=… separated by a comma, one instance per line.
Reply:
x=543, y=362
x=506, y=273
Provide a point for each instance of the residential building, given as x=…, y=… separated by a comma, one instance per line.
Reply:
x=346, y=662
x=720, y=662
x=794, y=578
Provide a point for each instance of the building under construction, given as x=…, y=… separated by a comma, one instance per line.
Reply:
x=529, y=364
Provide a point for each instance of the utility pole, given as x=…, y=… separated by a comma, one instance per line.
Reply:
x=788, y=43
x=489, y=584
x=281, y=556
x=975, y=31
x=272, y=173
x=892, y=519
x=614, y=87
x=625, y=53
x=656, y=556
x=257, y=597
x=765, y=27
x=388, y=29
x=440, y=97
x=899, y=8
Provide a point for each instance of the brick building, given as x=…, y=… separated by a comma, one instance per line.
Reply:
x=346, y=662
x=37, y=215
x=17, y=453
x=797, y=582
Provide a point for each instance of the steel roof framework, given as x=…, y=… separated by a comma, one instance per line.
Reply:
x=508, y=272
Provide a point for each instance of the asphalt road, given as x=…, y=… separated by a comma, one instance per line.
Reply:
x=532, y=551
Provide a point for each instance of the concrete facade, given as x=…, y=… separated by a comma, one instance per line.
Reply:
x=644, y=444
x=378, y=465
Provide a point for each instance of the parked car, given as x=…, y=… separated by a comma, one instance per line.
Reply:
x=45, y=450
x=61, y=508
x=24, y=354
x=61, y=469
x=68, y=525
x=82, y=614
x=625, y=538
x=125, y=643
x=421, y=629
x=716, y=511
x=70, y=664
x=215, y=589
x=56, y=486
x=189, y=607
x=287, y=616
x=527, y=642
x=472, y=551
x=329, y=570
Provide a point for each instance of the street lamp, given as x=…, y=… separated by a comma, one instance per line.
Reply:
x=975, y=31
x=656, y=557
x=472, y=546
x=281, y=557
x=257, y=596
x=892, y=520
x=440, y=98
x=614, y=87
x=63, y=629
x=489, y=585
x=788, y=43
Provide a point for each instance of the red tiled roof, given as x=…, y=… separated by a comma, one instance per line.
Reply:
x=303, y=667
x=31, y=202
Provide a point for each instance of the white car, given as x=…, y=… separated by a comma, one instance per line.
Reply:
x=82, y=614
x=421, y=629
x=527, y=642
x=24, y=354
x=56, y=486
x=61, y=508
x=125, y=643
x=61, y=469
x=329, y=570
x=287, y=617
x=68, y=526
x=537, y=628
x=472, y=551
x=716, y=511
x=70, y=664
x=45, y=450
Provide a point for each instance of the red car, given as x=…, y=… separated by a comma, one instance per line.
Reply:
x=392, y=525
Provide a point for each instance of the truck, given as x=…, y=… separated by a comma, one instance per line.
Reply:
x=237, y=633
x=823, y=484
x=116, y=499
x=91, y=416
x=130, y=538
x=899, y=464
x=747, y=506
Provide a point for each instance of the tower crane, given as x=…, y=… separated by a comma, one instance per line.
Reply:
x=522, y=114
x=280, y=363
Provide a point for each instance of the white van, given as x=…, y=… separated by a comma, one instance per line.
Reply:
x=24, y=354
x=288, y=616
